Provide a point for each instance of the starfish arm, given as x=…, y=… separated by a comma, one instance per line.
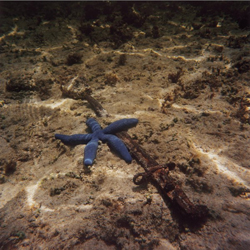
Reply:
x=93, y=124
x=120, y=125
x=74, y=139
x=118, y=146
x=90, y=152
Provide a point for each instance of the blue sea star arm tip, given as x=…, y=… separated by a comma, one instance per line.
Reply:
x=90, y=152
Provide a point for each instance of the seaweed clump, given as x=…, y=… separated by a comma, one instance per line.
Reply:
x=175, y=77
x=122, y=59
x=155, y=32
x=7, y=167
x=74, y=58
x=120, y=34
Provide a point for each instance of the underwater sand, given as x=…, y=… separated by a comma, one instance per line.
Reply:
x=184, y=74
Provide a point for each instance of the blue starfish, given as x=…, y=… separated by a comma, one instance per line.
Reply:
x=105, y=135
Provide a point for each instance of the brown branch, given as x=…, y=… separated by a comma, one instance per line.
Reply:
x=84, y=94
x=98, y=108
x=159, y=175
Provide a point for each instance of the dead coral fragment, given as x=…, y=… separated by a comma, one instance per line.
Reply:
x=20, y=83
x=237, y=42
x=243, y=66
x=199, y=186
x=111, y=79
x=169, y=99
x=243, y=112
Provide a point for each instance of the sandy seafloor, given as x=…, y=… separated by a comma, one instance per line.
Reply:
x=181, y=69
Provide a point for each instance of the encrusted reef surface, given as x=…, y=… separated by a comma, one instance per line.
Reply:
x=181, y=69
